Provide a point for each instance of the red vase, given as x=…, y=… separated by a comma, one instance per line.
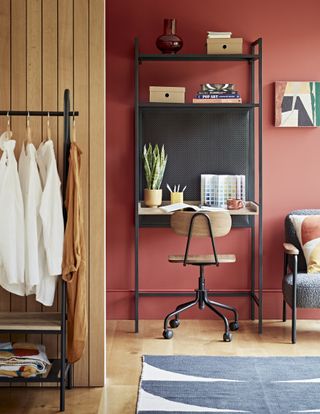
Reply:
x=169, y=42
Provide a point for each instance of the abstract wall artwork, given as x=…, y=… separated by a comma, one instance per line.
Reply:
x=297, y=104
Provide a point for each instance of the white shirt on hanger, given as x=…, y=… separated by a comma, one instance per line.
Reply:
x=11, y=221
x=52, y=222
x=31, y=193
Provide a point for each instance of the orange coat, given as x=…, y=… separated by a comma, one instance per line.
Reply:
x=74, y=260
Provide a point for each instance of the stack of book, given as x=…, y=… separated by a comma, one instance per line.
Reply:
x=219, y=35
x=217, y=93
x=222, y=43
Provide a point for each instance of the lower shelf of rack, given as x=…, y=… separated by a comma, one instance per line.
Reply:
x=54, y=374
x=30, y=322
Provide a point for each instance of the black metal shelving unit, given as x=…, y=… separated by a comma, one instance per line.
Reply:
x=149, y=117
x=46, y=322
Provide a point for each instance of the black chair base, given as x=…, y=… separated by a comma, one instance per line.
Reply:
x=202, y=301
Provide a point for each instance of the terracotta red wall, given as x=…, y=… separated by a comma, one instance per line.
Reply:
x=291, y=35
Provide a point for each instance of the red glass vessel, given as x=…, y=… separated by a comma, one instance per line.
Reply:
x=169, y=42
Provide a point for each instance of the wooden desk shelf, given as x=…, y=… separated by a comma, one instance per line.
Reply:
x=251, y=209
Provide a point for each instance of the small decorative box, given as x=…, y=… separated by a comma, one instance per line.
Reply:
x=224, y=46
x=167, y=94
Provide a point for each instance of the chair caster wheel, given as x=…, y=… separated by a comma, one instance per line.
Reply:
x=174, y=323
x=227, y=337
x=234, y=326
x=167, y=334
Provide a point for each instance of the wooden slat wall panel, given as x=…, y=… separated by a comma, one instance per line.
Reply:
x=81, y=99
x=65, y=64
x=65, y=76
x=19, y=101
x=45, y=47
x=34, y=78
x=5, y=99
x=96, y=206
x=5, y=102
x=50, y=102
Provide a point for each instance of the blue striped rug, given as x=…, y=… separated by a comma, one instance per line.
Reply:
x=257, y=385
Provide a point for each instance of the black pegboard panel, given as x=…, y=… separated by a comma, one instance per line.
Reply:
x=199, y=141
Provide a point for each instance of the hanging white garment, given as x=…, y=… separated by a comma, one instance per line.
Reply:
x=11, y=221
x=31, y=193
x=51, y=214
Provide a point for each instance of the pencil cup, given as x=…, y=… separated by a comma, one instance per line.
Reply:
x=176, y=197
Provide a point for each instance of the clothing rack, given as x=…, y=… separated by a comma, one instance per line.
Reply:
x=43, y=322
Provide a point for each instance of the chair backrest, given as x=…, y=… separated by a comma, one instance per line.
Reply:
x=291, y=236
x=220, y=222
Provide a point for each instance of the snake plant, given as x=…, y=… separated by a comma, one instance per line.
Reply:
x=154, y=162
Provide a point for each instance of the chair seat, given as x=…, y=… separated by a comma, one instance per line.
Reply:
x=203, y=259
x=308, y=290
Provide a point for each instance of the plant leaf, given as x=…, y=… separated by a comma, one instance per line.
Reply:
x=161, y=173
x=147, y=168
x=155, y=162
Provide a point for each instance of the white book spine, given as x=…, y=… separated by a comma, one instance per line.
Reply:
x=219, y=37
x=219, y=33
x=243, y=187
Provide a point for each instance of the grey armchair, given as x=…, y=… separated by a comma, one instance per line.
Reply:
x=300, y=289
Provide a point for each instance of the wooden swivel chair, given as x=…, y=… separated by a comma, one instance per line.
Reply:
x=201, y=224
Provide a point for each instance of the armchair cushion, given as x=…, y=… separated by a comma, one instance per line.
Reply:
x=307, y=229
x=308, y=288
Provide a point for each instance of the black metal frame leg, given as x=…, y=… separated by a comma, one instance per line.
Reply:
x=70, y=378
x=284, y=311
x=294, y=301
x=62, y=387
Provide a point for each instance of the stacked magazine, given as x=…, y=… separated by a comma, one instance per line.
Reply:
x=217, y=93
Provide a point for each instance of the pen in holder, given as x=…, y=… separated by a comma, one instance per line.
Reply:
x=176, y=197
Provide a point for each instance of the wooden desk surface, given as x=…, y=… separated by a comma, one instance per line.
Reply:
x=251, y=209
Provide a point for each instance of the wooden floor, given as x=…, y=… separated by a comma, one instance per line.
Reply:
x=192, y=338
x=124, y=351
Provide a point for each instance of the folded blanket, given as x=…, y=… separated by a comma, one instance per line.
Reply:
x=23, y=360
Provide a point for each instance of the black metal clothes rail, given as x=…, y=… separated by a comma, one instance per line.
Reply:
x=42, y=322
x=37, y=113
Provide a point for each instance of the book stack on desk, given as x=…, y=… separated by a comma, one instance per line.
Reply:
x=217, y=93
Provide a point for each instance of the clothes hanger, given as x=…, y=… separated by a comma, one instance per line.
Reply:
x=48, y=129
x=74, y=135
x=28, y=139
x=9, y=132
